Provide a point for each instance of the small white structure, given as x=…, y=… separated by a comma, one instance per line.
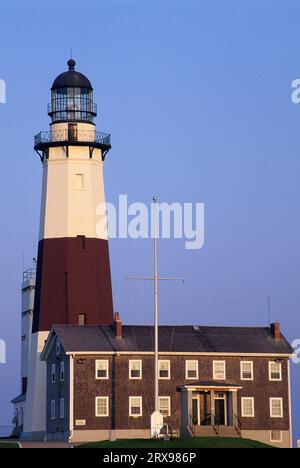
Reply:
x=28, y=291
x=157, y=422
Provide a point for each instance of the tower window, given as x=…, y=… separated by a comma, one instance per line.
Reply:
x=57, y=347
x=53, y=373
x=81, y=242
x=53, y=410
x=62, y=371
x=80, y=182
x=24, y=385
x=81, y=319
x=62, y=408
x=72, y=132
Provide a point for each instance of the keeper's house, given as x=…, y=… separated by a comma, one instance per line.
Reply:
x=214, y=381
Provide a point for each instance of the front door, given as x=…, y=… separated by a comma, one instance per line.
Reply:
x=205, y=408
x=220, y=409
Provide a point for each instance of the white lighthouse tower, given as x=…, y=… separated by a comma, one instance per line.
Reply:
x=73, y=282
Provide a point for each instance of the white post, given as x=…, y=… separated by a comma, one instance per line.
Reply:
x=156, y=416
x=156, y=308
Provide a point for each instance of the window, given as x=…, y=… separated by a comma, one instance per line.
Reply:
x=80, y=182
x=246, y=370
x=219, y=370
x=276, y=407
x=248, y=408
x=81, y=319
x=101, y=369
x=276, y=436
x=52, y=410
x=72, y=128
x=164, y=369
x=57, y=347
x=81, y=245
x=102, y=409
x=165, y=406
x=62, y=408
x=62, y=371
x=135, y=406
x=275, y=371
x=191, y=369
x=135, y=369
x=53, y=373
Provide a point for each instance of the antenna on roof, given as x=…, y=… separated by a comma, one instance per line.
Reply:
x=269, y=309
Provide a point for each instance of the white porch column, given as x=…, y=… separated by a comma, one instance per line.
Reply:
x=213, y=409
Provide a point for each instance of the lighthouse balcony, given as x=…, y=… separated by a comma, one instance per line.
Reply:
x=72, y=137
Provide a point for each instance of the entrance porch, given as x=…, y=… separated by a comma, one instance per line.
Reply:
x=210, y=409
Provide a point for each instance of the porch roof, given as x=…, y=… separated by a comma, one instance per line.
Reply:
x=210, y=385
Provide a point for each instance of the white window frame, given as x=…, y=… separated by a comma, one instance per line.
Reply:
x=62, y=371
x=253, y=407
x=252, y=370
x=274, y=440
x=141, y=406
x=270, y=371
x=53, y=410
x=53, y=373
x=271, y=408
x=107, y=369
x=214, y=369
x=62, y=408
x=169, y=369
x=106, y=398
x=186, y=370
x=141, y=369
x=169, y=405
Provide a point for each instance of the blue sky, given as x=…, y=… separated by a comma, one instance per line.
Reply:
x=197, y=96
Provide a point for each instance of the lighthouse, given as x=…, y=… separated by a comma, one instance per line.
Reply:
x=73, y=280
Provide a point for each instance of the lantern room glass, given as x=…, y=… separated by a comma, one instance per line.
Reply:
x=72, y=104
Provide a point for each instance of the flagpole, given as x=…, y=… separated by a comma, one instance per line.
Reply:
x=155, y=305
x=156, y=416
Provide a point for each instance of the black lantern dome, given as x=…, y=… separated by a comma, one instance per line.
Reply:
x=72, y=97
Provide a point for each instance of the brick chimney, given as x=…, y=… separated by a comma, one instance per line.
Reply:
x=118, y=325
x=275, y=331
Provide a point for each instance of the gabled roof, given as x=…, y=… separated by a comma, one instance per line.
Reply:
x=19, y=398
x=185, y=339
